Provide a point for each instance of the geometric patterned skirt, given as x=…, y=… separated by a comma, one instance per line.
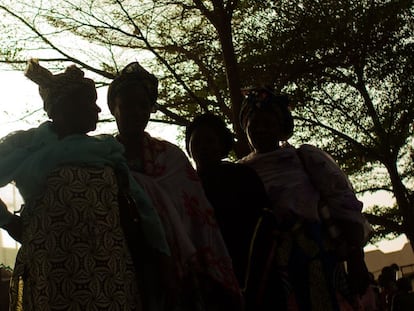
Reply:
x=74, y=255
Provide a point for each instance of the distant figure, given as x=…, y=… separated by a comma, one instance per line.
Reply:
x=387, y=281
x=204, y=276
x=369, y=301
x=74, y=254
x=235, y=191
x=403, y=299
x=5, y=276
x=313, y=203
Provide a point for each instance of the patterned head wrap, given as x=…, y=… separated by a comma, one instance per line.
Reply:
x=54, y=88
x=133, y=74
x=262, y=98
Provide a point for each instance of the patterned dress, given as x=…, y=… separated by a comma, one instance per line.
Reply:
x=74, y=255
x=294, y=270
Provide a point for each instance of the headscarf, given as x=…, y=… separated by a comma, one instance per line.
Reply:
x=53, y=88
x=132, y=74
x=215, y=123
x=262, y=98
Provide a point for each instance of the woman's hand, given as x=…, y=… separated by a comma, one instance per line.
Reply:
x=10, y=222
x=5, y=215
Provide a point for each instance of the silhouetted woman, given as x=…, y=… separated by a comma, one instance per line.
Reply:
x=204, y=278
x=235, y=191
x=74, y=254
x=311, y=198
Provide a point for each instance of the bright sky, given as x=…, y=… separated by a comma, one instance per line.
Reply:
x=20, y=98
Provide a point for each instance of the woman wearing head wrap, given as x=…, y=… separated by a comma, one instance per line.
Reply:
x=74, y=254
x=304, y=185
x=166, y=174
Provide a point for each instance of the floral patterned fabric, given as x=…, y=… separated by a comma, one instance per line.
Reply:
x=188, y=218
x=74, y=255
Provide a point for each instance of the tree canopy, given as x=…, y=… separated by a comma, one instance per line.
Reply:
x=347, y=66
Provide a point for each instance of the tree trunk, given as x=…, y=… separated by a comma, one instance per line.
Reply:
x=233, y=82
x=403, y=201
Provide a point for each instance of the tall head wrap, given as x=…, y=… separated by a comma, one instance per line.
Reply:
x=262, y=98
x=54, y=88
x=133, y=74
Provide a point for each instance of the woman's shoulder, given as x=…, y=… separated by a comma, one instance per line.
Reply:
x=105, y=138
x=314, y=156
x=24, y=138
x=311, y=149
x=279, y=154
x=238, y=168
x=324, y=171
x=234, y=168
x=161, y=145
x=17, y=137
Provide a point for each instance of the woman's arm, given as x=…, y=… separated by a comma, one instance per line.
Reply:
x=10, y=222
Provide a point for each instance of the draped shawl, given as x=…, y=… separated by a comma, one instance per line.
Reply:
x=27, y=158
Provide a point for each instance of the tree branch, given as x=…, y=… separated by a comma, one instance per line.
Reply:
x=355, y=143
x=162, y=60
x=200, y=5
x=231, y=6
x=374, y=189
x=53, y=46
x=384, y=222
x=361, y=87
x=179, y=119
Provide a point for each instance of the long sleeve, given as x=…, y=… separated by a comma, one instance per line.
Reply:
x=334, y=186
